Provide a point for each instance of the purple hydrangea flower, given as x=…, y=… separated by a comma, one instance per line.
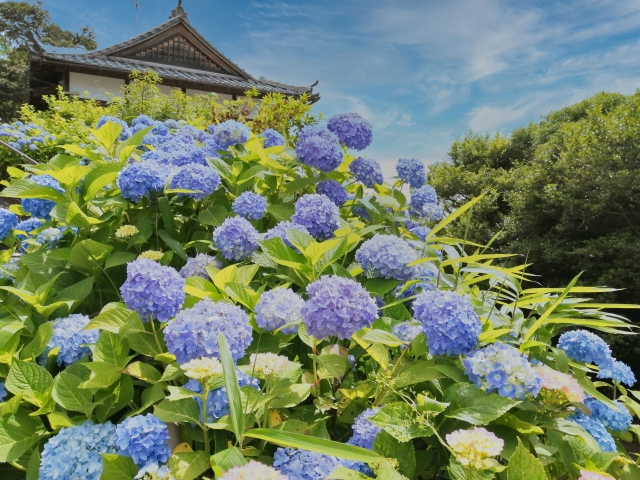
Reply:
x=412, y=171
x=407, y=331
x=8, y=221
x=279, y=307
x=337, y=307
x=303, y=464
x=193, y=176
x=71, y=338
x=332, y=189
x=76, y=452
x=280, y=231
x=144, y=438
x=142, y=179
x=367, y=171
x=236, y=238
x=194, y=332
x=620, y=372
x=618, y=421
x=230, y=133
x=318, y=214
x=352, y=130
x=319, y=148
x=153, y=290
x=586, y=347
x=36, y=206
x=387, y=256
x=250, y=205
x=449, y=322
x=197, y=266
x=596, y=429
x=272, y=138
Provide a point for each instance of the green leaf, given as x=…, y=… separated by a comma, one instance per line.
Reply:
x=381, y=286
x=342, y=473
x=382, y=337
x=214, y=216
x=299, y=184
x=143, y=371
x=28, y=189
x=33, y=467
x=76, y=293
x=524, y=466
x=472, y=405
x=290, y=396
x=231, y=384
x=114, y=399
x=103, y=375
x=314, y=444
x=389, y=447
x=108, y=134
x=116, y=320
x=167, y=216
x=111, y=349
x=227, y=459
x=100, y=177
x=197, y=464
x=173, y=244
x=281, y=211
x=119, y=258
x=417, y=373
x=398, y=419
x=18, y=433
x=332, y=365
x=118, y=467
x=39, y=344
x=185, y=410
x=10, y=406
x=68, y=395
x=31, y=380
x=89, y=255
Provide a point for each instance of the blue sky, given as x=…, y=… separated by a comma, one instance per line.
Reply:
x=422, y=71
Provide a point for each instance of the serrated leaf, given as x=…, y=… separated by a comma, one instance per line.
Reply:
x=31, y=380
x=472, y=405
x=197, y=463
x=118, y=467
x=68, y=395
x=524, y=466
x=185, y=410
x=18, y=433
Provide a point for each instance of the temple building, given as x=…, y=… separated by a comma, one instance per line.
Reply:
x=175, y=50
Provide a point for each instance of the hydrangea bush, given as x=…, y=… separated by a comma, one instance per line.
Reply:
x=182, y=302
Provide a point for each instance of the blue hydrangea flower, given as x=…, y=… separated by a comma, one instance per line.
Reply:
x=618, y=421
x=407, y=331
x=197, y=266
x=194, y=332
x=49, y=237
x=142, y=179
x=586, y=347
x=8, y=221
x=142, y=120
x=422, y=198
x=9, y=269
x=272, y=138
x=217, y=400
x=303, y=464
x=364, y=430
x=352, y=130
x=337, y=307
x=172, y=124
x=387, y=256
x=596, y=429
x=230, y=133
x=502, y=368
x=108, y=118
x=152, y=290
x=367, y=171
x=418, y=230
x=187, y=155
x=76, y=452
x=144, y=438
x=236, y=238
x=280, y=231
x=27, y=226
x=193, y=176
x=332, y=189
x=318, y=214
x=412, y=171
x=449, y=322
x=620, y=372
x=428, y=282
x=3, y=391
x=319, y=148
x=279, y=307
x=250, y=205
x=36, y=206
x=71, y=338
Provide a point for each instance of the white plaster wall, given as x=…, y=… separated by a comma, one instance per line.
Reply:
x=167, y=89
x=97, y=87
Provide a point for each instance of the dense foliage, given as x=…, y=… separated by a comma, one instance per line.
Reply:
x=563, y=193
x=189, y=304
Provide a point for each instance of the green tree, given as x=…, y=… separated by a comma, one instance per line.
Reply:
x=25, y=26
x=564, y=191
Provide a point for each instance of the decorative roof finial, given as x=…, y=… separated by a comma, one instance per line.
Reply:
x=178, y=11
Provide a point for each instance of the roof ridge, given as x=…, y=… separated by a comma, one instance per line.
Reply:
x=280, y=84
x=119, y=46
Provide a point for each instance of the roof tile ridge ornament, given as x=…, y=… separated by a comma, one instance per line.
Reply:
x=179, y=12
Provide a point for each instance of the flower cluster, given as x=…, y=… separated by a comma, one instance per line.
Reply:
x=502, y=368
x=153, y=471
x=154, y=255
x=76, y=452
x=364, y=430
x=23, y=137
x=337, y=307
x=424, y=202
x=269, y=364
x=230, y=133
x=418, y=230
x=144, y=438
x=280, y=231
x=236, y=238
x=38, y=207
x=72, y=340
x=49, y=237
x=279, y=307
x=197, y=266
x=250, y=205
x=303, y=464
x=202, y=368
x=367, y=171
x=332, y=189
x=586, y=347
x=108, y=118
x=202, y=180
x=127, y=231
x=619, y=372
x=319, y=148
x=616, y=420
x=475, y=448
x=558, y=382
x=8, y=221
x=352, y=130
x=253, y=471
x=412, y=171
x=449, y=322
x=152, y=290
x=272, y=138
x=387, y=256
x=596, y=429
x=318, y=214
x=194, y=332
x=9, y=269
x=407, y=331
x=589, y=475
x=142, y=179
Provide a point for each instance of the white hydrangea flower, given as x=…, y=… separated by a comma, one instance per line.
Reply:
x=269, y=364
x=202, y=368
x=127, y=231
x=253, y=471
x=472, y=448
x=152, y=255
